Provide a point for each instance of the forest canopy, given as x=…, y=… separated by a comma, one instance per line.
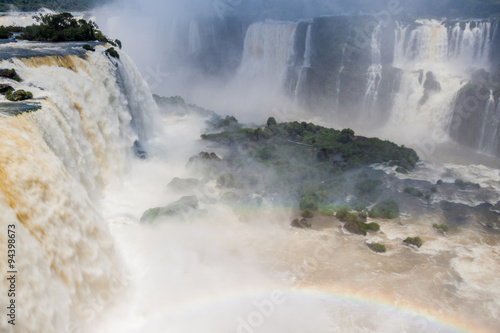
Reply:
x=58, y=5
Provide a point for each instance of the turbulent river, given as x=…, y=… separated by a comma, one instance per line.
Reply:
x=75, y=191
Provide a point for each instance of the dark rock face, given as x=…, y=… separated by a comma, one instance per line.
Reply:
x=220, y=45
x=4, y=88
x=470, y=109
x=431, y=86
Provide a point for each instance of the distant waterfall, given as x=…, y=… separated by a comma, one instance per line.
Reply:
x=268, y=46
x=194, y=42
x=374, y=74
x=471, y=44
x=53, y=164
x=301, y=85
x=489, y=131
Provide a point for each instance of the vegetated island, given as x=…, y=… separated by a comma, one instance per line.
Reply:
x=308, y=167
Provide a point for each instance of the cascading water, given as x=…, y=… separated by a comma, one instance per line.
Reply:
x=337, y=83
x=268, y=46
x=54, y=163
x=471, y=45
x=489, y=131
x=436, y=63
x=374, y=74
x=302, y=80
x=194, y=43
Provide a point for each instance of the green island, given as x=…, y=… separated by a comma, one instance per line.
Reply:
x=61, y=27
x=314, y=170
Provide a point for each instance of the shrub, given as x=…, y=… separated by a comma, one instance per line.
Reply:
x=87, y=47
x=416, y=241
x=346, y=136
x=342, y=213
x=441, y=227
x=324, y=211
x=376, y=247
x=439, y=182
x=271, y=121
x=372, y=226
x=387, y=209
x=119, y=43
x=307, y=214
x=10, y=74
x=309, y=202
x=112, y=52
x=301, y=224
x=9, y=95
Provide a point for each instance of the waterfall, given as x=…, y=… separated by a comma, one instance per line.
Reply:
x=489, y=131
x=194, y=42
x=53, y=164
x=302, y=80
x=471, y=44
x=267, y=48
x=308, y=51
x=339, y=79
x=374, y=74
x=427, y=43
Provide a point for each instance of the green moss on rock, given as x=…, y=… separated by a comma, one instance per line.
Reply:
x=415, y=241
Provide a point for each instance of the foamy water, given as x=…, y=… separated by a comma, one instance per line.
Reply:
x=218, y=273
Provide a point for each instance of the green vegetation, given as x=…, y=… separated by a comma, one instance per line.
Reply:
x=441, y=227
x=301, y=224
x=181, y=206
x=309, y=202
x=341, y=149
x=5, y=32
x=18, y=95
x=376, y=247
x=304, y=164
x=387, y=209
x=58, y=5
x=307, y=214
x=416, y=241
x=354, y=223
x=112, y=53
x=10, y=74
x=326, y=211
x=62, y=27
x=87, y=47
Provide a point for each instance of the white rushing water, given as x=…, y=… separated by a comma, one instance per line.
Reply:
x=450, y=54
x=70, y=184
x=54, y=163
x=374, y=74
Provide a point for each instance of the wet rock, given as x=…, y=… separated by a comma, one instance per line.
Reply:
x=301, y=224
x=181, y=206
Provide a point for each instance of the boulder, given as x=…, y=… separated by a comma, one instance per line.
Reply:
x=181, y=206
x=301, y=224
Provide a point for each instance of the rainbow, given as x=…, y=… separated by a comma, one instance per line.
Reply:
x=403, y=311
